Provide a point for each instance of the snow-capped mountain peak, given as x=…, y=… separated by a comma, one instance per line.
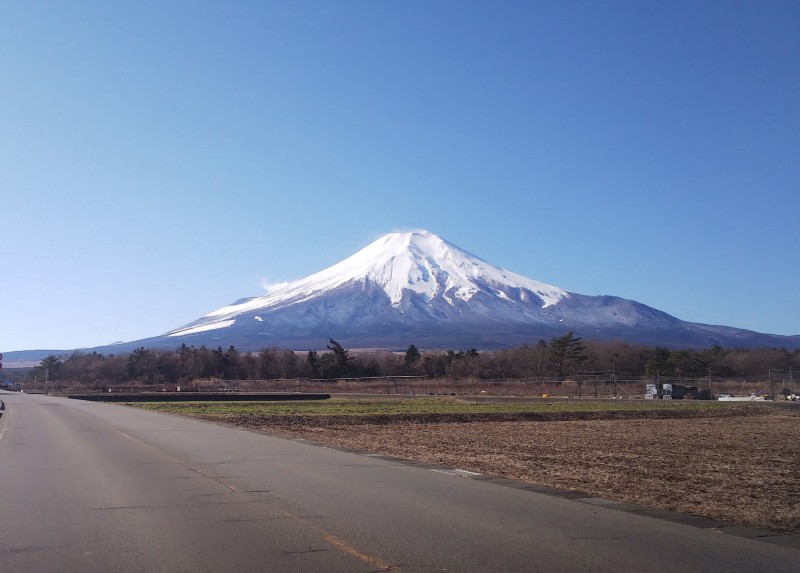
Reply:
x=417, y=261
x=401, y=263
x=421, y=262
x=415, y=287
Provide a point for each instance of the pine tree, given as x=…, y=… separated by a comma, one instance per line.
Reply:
x=412, y=355
x=567, y=354
x=342, y=361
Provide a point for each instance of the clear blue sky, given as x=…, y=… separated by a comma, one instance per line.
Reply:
x=159, y=159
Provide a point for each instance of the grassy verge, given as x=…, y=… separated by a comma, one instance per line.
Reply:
x=349, y=407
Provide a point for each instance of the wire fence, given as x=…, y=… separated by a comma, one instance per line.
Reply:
x=588, y=386
x=777, y=384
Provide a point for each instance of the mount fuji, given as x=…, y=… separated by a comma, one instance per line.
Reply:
x=416, y=288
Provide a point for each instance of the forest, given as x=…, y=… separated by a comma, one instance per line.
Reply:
x=561, y=358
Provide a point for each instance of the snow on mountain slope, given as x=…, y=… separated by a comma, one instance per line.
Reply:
x=401, y=264
x=416, y=287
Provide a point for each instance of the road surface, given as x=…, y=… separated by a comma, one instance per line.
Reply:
x=100, y=487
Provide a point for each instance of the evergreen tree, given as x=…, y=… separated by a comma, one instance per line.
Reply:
x=313, y=361
x=412, y=356
x=49, y=368
x=567, y=354
x=341, y=356
x=659, y=364
x=141, y=365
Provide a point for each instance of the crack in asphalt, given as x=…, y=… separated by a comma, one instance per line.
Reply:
x=304, y=551
x=267, y=459
x=250, y=519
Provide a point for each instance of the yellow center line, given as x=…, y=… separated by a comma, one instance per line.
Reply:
x=344, y=546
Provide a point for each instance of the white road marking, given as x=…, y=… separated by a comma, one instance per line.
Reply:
x=457, y=472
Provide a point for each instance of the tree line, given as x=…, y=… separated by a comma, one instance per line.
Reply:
x=561, y=358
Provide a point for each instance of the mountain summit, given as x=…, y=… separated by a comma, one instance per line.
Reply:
x=412, y=268
x=415, y=287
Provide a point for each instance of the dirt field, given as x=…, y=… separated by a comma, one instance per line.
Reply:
x=740, y=465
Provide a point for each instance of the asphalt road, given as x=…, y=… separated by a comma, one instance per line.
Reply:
x=98, y=487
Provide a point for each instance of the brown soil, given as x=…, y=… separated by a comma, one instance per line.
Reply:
x=740, y=466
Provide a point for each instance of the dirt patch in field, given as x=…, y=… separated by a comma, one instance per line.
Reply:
x=740, y=465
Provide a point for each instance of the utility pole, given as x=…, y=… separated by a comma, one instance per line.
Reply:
x=710, y=385
x=771, y=385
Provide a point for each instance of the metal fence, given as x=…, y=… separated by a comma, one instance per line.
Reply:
x=590, y=386
x=777, y=384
